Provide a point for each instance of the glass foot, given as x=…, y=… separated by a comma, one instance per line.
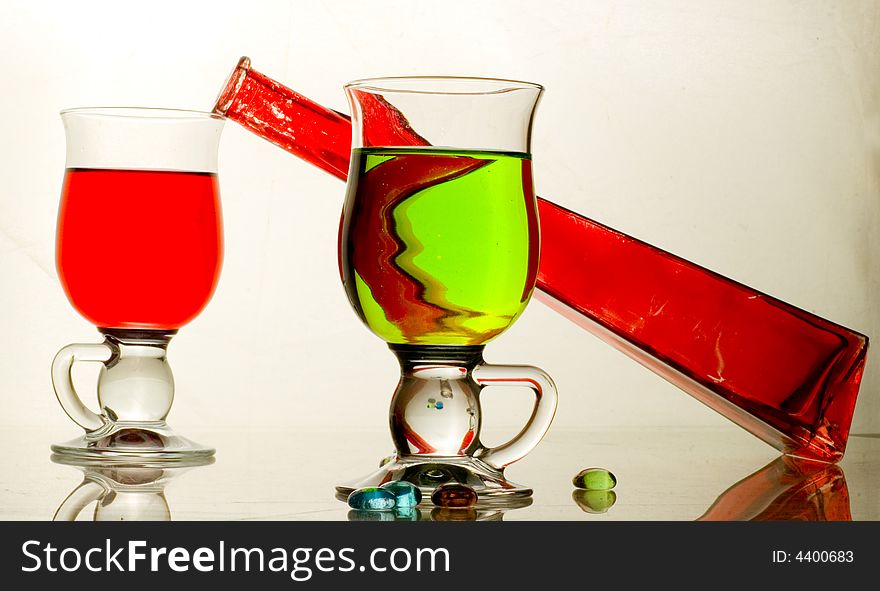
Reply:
x=427, y=473
x=124, y=443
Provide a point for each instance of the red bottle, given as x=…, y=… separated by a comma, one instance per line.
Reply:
x=787, y=376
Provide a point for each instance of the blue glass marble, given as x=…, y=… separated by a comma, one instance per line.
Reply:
x=405, y=494
x=371, y=499
x=361, y=515
x=406, y=514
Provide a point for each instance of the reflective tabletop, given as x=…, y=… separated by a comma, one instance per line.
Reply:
x=682, y=474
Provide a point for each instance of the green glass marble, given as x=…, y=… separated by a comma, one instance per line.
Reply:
x=454, y=496
x=594, y=501
x=405, y=493
x=371, y=499
x=595, y=479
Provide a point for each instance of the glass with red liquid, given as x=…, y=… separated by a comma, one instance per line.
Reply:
x=139, y=248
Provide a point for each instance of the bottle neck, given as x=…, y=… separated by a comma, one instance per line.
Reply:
x=289, y=120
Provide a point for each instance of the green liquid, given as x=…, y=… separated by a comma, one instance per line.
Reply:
x=436, y=246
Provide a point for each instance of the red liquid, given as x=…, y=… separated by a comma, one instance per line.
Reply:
x=785, y=375
x=139, y=248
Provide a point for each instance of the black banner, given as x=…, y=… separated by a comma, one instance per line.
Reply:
x=316, y=555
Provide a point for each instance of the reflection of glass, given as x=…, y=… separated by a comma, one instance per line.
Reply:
x=785, y=489
x=139, y=249
x=122, y=492
x=785, y=375
x=438, y=253
x=429, y=513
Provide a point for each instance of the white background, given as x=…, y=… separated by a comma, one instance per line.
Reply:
x=743, y=135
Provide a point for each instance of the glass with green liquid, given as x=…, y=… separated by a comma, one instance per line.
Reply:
x=441, y=247
x=439, y=250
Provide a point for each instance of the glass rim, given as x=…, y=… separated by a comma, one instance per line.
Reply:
x=443, y=85
x=142, y=113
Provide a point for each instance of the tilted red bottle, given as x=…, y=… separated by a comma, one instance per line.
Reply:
x=787, y=376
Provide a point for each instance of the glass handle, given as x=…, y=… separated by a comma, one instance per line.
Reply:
x=62, y=381
x=542, y=414
x=87, y=492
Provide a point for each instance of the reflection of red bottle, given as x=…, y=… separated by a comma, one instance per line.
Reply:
x=786, y=489
x=139, y=248
x=787, y=376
